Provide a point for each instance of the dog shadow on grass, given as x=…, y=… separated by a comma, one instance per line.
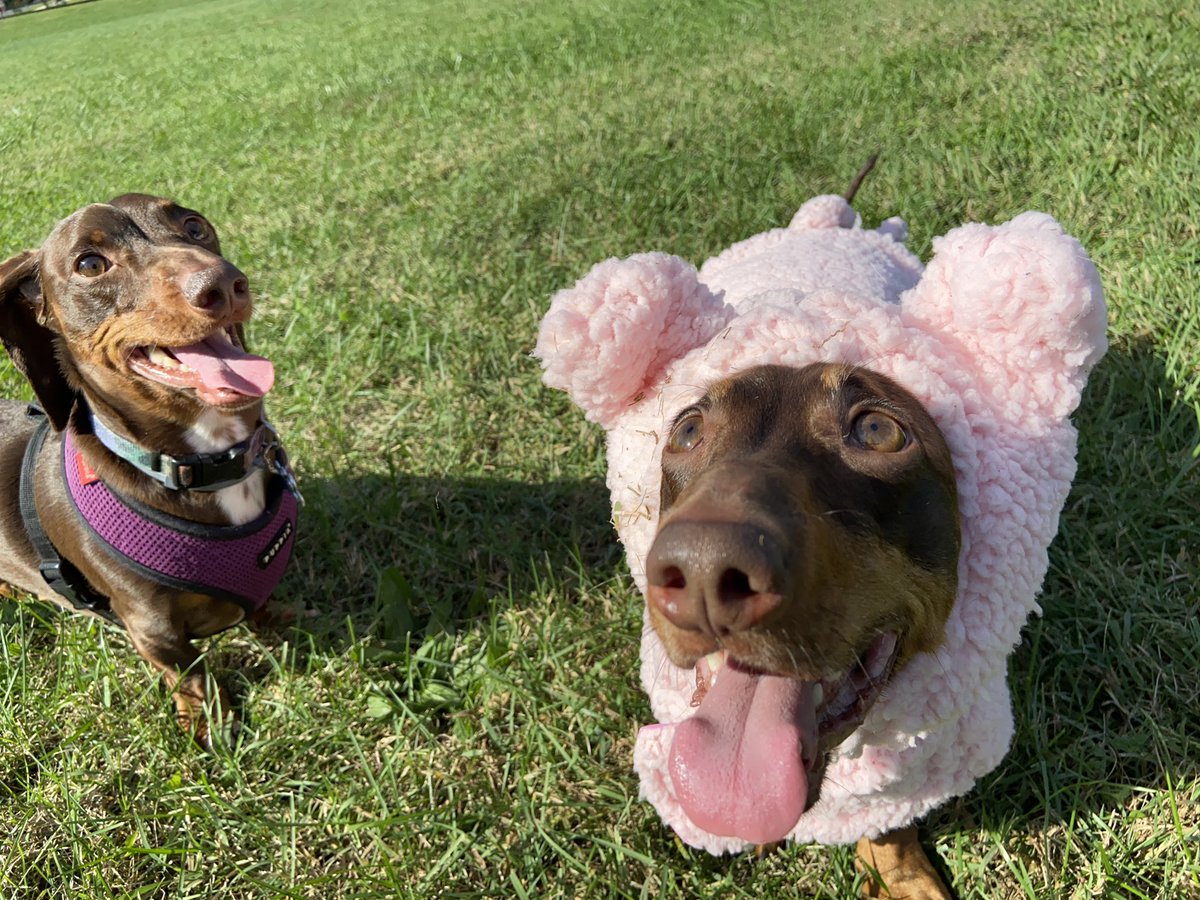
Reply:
x=1104, y=682
x=393, y=559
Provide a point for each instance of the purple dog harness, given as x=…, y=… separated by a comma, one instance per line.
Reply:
x=239, y=563
x=242, y=563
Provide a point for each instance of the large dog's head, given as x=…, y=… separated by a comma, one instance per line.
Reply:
x=807, y=548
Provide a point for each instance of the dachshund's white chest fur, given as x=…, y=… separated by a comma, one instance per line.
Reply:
x=214, y=432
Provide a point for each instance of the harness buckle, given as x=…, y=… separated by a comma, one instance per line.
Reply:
x=68, y=582
x=52, y=572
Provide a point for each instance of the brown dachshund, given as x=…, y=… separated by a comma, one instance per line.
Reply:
x=153, y=492
x=809, y=531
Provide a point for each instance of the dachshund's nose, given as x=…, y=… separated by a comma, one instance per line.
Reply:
x=219, y=289
x=719, y=578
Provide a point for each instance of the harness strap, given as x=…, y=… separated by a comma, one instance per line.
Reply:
x=60, y=574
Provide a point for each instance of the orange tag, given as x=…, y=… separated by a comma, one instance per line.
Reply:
x=87, y=475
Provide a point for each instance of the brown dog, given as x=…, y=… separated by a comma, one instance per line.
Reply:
x=128, y=324
x=809, y=540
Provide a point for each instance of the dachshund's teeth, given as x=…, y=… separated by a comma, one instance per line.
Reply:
x=715, y=661
x=159, y=358
x=818, y=694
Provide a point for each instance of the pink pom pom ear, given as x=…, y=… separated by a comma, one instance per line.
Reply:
x=1026, y=305
x=605, y=340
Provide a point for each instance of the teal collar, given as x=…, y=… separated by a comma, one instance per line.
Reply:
x=200, y=471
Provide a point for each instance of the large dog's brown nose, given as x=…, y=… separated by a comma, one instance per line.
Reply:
x=219, y=289
x=719, y=578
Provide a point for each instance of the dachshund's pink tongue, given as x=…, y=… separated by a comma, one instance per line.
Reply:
x=738, y=764
x=222, y=365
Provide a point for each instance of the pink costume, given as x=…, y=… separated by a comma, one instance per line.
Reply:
x=996, y=337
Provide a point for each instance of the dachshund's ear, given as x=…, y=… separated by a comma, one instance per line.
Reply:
x=27, y=339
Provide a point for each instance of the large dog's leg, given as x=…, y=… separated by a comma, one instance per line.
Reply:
x=897, y=868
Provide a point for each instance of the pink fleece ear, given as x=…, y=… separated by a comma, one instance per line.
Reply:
x=1024, y=303
x=607, y=339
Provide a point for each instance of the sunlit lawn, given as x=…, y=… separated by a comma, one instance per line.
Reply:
x=406, y=184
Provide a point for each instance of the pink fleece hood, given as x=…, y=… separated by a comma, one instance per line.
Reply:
x=995, y=337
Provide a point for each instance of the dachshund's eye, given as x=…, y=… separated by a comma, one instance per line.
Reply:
x=687, y=434
x=91, y=265
x=880, y=432
x=195, y=228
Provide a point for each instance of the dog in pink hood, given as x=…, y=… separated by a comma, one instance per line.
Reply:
x=995, y=337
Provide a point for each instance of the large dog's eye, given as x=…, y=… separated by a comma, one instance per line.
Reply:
x=195, y=228
x=687, y=433
x=92, y=264
x=880, y=432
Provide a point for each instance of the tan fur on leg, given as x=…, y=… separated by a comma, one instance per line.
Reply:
x=897, y=868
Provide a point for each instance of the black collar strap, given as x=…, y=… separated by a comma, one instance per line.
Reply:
x=196, y=471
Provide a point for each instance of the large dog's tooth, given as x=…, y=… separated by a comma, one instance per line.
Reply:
x=715, y=660
x=159, y=358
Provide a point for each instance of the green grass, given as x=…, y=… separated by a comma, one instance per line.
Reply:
x=407, y=183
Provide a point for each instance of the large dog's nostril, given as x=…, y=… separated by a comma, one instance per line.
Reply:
x=219, y=289
x=715, y=577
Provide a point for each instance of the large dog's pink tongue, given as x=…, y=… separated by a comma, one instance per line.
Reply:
x=222, y=365
x=738, y=764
